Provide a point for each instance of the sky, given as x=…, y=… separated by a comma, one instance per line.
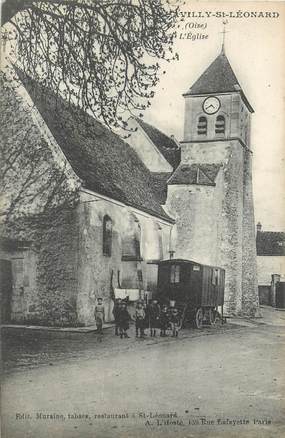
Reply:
x=255, y=48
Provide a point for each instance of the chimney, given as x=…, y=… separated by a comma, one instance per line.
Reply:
x=172, y=136
x=258, y=226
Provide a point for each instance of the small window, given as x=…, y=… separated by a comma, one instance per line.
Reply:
x=107, y=236
x=220, y=125
x=140, y=275
x=215, y=277
x=175, y=274
x=18, y=265
x=202, y=126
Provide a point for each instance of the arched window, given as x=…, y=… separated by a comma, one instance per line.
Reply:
x=137, y=240
x=202, y=126
x=107, y=236
x=220, y=125
x=131, y=240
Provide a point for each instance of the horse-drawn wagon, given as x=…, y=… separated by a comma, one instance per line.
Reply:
x=196, y=290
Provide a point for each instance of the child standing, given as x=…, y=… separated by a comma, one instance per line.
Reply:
x=116, y=310
x=164, y=320
x=174, y=321
x=123, y=320
x=153, y=314
x=99, y=314
x=140, y=319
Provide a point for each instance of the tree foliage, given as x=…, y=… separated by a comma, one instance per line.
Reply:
x=103, y=55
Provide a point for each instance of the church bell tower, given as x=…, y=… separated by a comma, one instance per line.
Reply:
x=210, y=193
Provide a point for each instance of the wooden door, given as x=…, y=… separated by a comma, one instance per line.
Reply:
x=5, y=290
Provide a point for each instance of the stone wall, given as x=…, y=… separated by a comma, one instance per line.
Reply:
x=215, y=225
x=250, y=301
x=57, y=269
x=40, y=194
x=194, y=209
x=57, y=279
x=24, y=293
x=99, y=274
x=44, y=274
x=231, y=225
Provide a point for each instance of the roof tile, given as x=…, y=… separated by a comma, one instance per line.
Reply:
x=196, y=173
x=99, y=157
x=217, y=78
x=165, y=144
x=270, y=243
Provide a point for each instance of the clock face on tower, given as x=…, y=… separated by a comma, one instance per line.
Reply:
x=211, y=105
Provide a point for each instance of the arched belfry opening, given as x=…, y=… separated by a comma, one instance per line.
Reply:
x=202, y=125
x=220, y=125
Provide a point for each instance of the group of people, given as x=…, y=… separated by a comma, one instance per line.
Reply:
x=151, y=316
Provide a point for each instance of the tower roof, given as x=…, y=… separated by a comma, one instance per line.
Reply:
x=219, y=77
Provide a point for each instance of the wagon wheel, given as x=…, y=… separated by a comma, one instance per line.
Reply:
x=199, y=318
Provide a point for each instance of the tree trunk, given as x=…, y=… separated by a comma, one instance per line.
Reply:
x=11, y=7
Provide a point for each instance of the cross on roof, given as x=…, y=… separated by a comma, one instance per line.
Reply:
x=224, y=31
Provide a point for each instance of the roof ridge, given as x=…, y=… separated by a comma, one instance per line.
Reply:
x=159, y=130
x=272, y=232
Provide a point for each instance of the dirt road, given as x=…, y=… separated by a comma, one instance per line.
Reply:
x=228, y=384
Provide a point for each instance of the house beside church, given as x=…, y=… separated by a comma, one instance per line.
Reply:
x=270, y=247
x=132, y=204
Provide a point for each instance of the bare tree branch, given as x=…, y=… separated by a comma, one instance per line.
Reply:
x=102, y=55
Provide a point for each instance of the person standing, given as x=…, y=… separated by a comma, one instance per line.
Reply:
x=174, y=321
x=116, y=310
x=164, y=320
x=153, y=315
x=140, y=319
x=123, y=320
x=99, y=314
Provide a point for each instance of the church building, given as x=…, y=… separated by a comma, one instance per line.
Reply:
x=134, y=204
x=110, y=235
x=209, y=194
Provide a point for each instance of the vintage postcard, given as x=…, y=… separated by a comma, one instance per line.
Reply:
x=142, y=220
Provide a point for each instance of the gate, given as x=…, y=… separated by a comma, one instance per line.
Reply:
x=280, y=294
